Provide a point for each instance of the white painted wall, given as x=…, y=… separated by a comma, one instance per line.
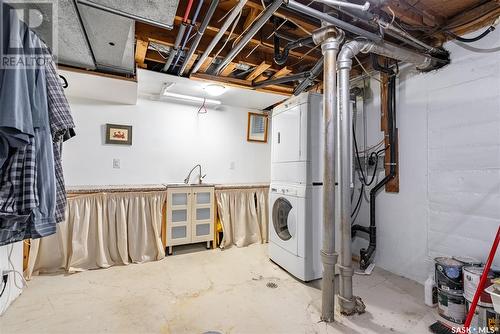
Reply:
x=168, y=140
x=11, y=290
x=449, y=137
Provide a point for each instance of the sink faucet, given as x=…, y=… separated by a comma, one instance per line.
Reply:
x=200, y=177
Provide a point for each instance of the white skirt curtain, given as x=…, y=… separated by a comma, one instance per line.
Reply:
x=244, y=216
x=102, y=230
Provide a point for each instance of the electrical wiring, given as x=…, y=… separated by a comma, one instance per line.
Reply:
x=235, y=23
x=366, y=72
x=13, y=269
x=358, y=203
x=203, y=107
x=473, y=39
x=361, y=173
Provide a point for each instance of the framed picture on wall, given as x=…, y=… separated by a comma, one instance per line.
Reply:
x=118, y=134
x=257, y=127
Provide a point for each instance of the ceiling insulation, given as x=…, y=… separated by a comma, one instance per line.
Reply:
x=72, y=47
x=111, y=38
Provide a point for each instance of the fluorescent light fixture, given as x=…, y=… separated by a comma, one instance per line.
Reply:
x=215, y=89
x=189, y=98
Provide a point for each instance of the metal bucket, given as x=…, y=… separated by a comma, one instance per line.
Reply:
x=485, y=320
x=449, y=274
x=468, y=261
x=451, y=306
x=472, y=276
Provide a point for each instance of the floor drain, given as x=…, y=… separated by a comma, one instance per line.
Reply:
x=272, y=285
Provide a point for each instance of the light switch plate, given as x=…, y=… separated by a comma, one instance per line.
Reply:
x=116, y=163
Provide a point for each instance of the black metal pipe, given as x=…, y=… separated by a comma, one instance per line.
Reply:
x=277, y=81
x=366, y=254
x=315, y=71
x=281, y=58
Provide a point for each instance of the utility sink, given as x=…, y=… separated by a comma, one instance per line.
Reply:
x=183, y=185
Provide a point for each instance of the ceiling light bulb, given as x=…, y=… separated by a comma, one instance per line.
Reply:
x=215, y=90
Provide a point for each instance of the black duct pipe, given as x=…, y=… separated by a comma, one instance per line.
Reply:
x=281, y=58
x=314, y=72
x=366, y=254
x=293, y=77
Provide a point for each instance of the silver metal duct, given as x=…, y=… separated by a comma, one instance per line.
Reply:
x=175, y=49
x=349, y=303
x=199, y=34
x=330, y=39
x=264, y=17
x=236, y=10
x=323, y=17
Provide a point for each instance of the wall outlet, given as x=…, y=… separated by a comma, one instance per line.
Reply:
x=116, y=163
x=232, y=165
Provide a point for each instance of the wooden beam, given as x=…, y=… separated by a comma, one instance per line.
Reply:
x=229, y=69
x=393, y=185
x=191, y=63
x=252, y=15
x=281, y=73
x=262, y=53
x=141, y=48
x=474, y=18
x=258, y=70
x=206, y=64
x=240, y=83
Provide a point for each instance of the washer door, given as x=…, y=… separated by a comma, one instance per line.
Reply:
x=281, y=210
x=284, y=220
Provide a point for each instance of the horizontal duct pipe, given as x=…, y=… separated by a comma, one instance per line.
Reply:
x=297, y=6
x=277, y=81
x=124, y=14
x=265, y=16
x=199, y=34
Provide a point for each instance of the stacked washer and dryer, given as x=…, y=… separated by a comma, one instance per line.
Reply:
x=295, y=236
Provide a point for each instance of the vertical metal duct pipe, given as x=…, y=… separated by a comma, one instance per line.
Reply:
x=199, y=34
x=175, y=48
x=348, y=303
x=186, y=37
x=178, y=38
x=265, y=16
x=330, y=39
x=236, y=10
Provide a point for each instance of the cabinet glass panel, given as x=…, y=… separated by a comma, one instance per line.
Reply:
x=179, y=215
x=203, y=198
x=203, y=214
x=179, y=232
x=179, y=199
x=202, y=229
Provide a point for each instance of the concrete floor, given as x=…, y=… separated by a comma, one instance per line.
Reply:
x=200, y=291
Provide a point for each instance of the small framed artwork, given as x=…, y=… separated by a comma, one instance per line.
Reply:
x=257, y=127
x=118, y=134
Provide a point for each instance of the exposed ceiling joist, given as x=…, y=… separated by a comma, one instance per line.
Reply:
x=258, y=70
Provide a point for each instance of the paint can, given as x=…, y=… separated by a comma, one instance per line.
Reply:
x=468, y=261
x=485, y=320
x=449, y=274
x=451, y=306
x=472, y=276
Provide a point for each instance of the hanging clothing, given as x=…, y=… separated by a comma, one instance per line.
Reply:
x=61, y=127
x=30, y=126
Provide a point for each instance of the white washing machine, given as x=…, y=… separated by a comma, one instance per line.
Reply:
x=295, y=229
